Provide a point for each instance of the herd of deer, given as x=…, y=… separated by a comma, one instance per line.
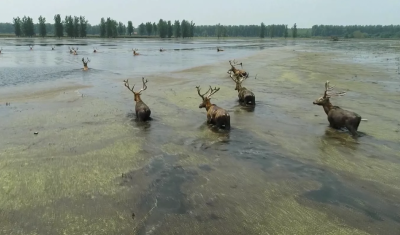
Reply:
x=338, y=118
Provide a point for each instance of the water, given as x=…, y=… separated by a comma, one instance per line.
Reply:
x=94, y=169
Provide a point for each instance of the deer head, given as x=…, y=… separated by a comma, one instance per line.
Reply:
x=137, y=94
x=30, y=47
x=94, y=49
x=206, y=99
x=327, y=94
x=52, y=48
x=75, y=51
x=219, y=49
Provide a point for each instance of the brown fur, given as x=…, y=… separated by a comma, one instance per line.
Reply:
x=245, y=96
x=142, y=111
x=237, y=72
x=215, y=115
x=338, y=118
x=85, y=64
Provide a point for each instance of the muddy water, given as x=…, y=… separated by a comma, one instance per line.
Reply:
x=93, y=169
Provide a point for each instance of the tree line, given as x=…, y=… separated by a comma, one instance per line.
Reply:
x=357, y=31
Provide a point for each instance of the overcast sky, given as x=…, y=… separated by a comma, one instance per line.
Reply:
x=305, y=13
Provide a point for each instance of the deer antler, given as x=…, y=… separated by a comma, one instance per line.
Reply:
x=126, y=83
x=144, y=85
x=212, y=91
x=201, y=95
x=329, y=88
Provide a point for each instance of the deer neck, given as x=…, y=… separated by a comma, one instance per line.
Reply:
x=327, y=107
x=208, y=105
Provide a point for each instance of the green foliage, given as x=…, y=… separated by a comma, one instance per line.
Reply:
x=272, y=31
x=17, y=26
x=103, y=28
x=130, y=28
x=162, y=28
x=111, y=28
x=375, y=31
x=286, y=33
x=170, y=29
x=58, y=26
x=294, y=31
x=262, y=30
x=42, y=26
x=155, y=28
x=76, y=26
x=82, y=26
x=185, y=27
x=121, y=28
x=28, y=28
x=69, y=26
x=149, y=28
x=142, y=29
x=177, y=29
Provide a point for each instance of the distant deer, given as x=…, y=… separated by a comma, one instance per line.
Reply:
x=338, y=118
x=1, y=49
x=134, y=52
x=215, y=115
x=237, y=72
x=161, y=49
x=143, y=112
x=71, y=50
x=31, y=48
x=218, y=50
x=245, y=96
x=75, y=51
x=94, y=50
x=52, y=48
x=85, y=67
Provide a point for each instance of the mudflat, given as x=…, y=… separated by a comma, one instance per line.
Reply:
x=93, y=169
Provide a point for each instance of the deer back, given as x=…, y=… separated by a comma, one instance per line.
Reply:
x=340, y=116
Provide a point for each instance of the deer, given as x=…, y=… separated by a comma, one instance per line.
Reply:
x=161, y=49
x=52, y=48
x=71, y=50
x=218, y=50
x=338, y=118
x=142, y=111
x=85, y=67
x=1, y=49
x=30, y=48
x=134, y=52
x=236, y=71
x=75, y=51
x=94, y=50
x=215, y=115
x=245, y=96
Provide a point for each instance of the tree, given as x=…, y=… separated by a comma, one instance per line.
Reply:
x=121, y=28
x=170, y=29
x=42, y=26
x=185, y=26
x=17, y=26
x=82, y=26
x=69, y=26
x=262, y=30
x=191, y=29
x=103, y=28
x=294, y=31
x=272, y=31
x=142, y=29
x=130, y=28
x=28, y=28
x=149, y=28
x=177, y=29
x=76, y=26
x=155, y=28
x=58, y=26
x=286, y=34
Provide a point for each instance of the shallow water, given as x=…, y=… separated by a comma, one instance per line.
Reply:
x=280, y=170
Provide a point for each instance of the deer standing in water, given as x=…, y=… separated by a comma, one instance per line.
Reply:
x=71, y=50
x=31, y=48
x=161, y=49
x=338, y=118
x=85, y=67
x=75, y=51
x=142, y=111
x=94, y=50
x=218, y=50
x=52, y=48
x=215, y=115
x=245, y=96
x=237, y=72
x=134, y=52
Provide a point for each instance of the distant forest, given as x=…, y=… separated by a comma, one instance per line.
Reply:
x=78, y=26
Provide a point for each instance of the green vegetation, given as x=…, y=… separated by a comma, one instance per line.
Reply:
x=79, y=27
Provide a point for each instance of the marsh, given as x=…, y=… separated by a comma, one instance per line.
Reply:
x=279, y=170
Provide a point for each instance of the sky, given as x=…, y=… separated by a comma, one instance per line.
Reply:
x=305, y=13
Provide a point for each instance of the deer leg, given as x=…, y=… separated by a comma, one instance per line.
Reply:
x=208, y=119
x=351, y=128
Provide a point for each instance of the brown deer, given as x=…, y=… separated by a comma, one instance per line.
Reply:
x=218, y=50
x=215, y=115
x=245, y=96
x=134, y=52
x=52, y=48
x=161, y=49
x=85, y=67
x=31, y=48
x=71, y=50
x=143, y=112
x=94, y=50
x=338, y=118
x=237, y=72
x=75, y=51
